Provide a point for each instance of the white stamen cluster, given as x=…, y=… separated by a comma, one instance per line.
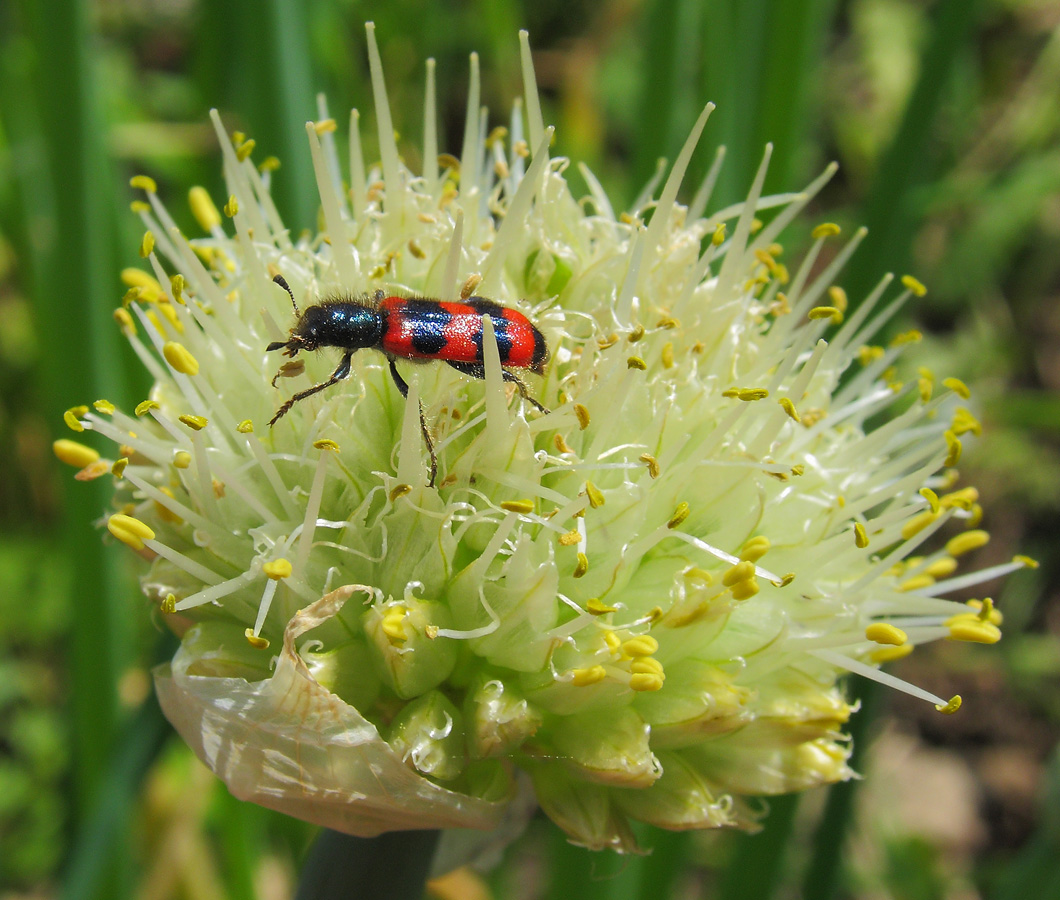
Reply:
x=643, y=598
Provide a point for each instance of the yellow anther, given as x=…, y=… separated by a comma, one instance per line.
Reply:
x=951, y=706
x=70, y=417
x=613, y=641
x=256, y=640
x=785, y=580
x=326, y=444
x=245, y=427
x=838, y=297
x=635, y=362
x=325, y=126
x=667, y=322
x=497, y=134
x=203, y=208
x=746, y=394
x=139, y=206
x=145, y=406
x=967, y=542
x=93, y=470
x=646, y=665
x=269, y=164
x=888, y=654
x=518, y=506
x=231, y=207
x=195, y=423
x=244, y=150
x=609, y=341
x=144, y=183
x=986, y=611
x=415, y=249
x=970, y=628
x=393, y=624
x=125, y=321
x=907, y=337
x=695, y=573
x=931, y=497
x=885, y=633
x=869, y=353
x=825, y=312
x=118, y=469
x=652, y=463
x=147, y=245
x=964, y=421
x=594, y=606
x=400, y=490
x=180, y=358
x=129, y=530
x=745, y=590
x=680, y=514
x=914, y=285
x=667, y=356
x=940, y=568
x=718, y=238
x=74, y=453
x=641, y=645
x=925, y=388
x=755, y=548
x=596, y=497
x=861, y=536
x=590, y=675
x=583, y=416
x=167, y=310
x=148, y=284
x=953, y=451
x=975, y=516
x=569, y=539
x=958, y=387
x=825, y=230
x=636, y=334
x=762, y=255
x=582, y=567
x=181, y=459
x=169, y=605
x=470, y=284
x=176, y=288
x=789, y=408
x=740, y=572
x=646, y=681
x=277, y=569
x=560, y=443
x=918, y=523
x=965, y=498
x=1027, y=561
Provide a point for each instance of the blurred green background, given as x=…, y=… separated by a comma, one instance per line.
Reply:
x=945, y=118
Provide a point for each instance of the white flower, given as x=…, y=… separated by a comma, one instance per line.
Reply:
x=643, y=598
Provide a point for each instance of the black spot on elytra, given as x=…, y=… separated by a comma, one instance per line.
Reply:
x=428, y=334
x=500, y=332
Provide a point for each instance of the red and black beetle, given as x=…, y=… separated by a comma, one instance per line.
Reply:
x=416, y=329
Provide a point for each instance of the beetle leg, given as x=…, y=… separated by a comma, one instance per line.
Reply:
x=478, y=370
x=338, y=375
x=404, y=388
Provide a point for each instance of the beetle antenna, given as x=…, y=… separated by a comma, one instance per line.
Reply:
x=282, y=282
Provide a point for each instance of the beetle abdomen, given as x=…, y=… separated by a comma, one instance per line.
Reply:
x=433, y=329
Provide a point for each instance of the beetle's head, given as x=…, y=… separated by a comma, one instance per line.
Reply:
x=304, y=336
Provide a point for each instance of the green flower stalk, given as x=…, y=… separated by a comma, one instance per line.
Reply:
x=642, y=600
